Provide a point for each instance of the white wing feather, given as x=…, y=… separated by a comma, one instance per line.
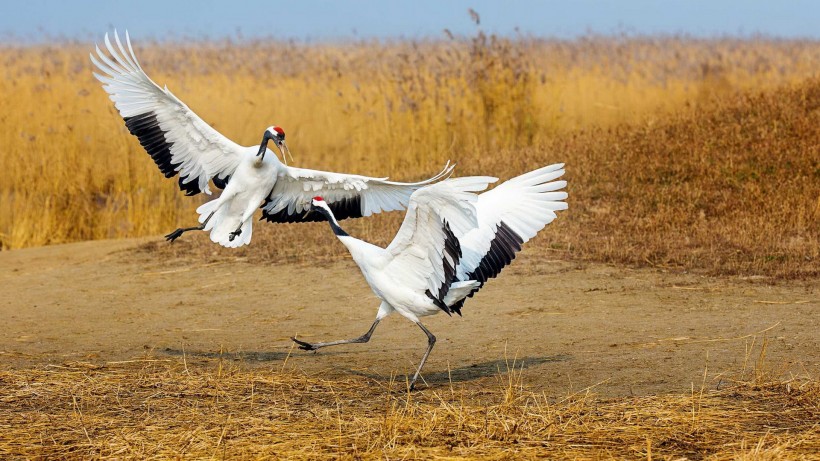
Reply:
x=418, y=250
x=197, y=151
x=348, y=195
x=525, y=204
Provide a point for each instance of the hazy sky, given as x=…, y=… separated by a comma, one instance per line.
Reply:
x=320, y=20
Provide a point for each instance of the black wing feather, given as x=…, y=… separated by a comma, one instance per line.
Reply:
x=452, y=248
x=501, y=253
x=349, y=207
x=146, y=128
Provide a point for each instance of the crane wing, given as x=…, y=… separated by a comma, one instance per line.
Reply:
x=347, y=195
x=426, y=250
x=508, y=216
x=176, y=138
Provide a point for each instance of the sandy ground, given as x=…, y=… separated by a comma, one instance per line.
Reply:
x=625, y=332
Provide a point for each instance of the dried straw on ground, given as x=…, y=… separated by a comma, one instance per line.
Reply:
x=157, y=409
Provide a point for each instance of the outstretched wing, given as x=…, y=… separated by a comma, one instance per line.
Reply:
x=508, y=216
x=176, y=138
x=426, y=250
x=348, y=195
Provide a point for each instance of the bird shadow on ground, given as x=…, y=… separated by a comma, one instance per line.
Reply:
x=454, y=375
x=472, y=372
x=249, y=356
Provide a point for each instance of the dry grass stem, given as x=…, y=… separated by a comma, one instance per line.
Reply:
x=158, y=409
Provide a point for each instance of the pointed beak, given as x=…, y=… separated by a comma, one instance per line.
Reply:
x=309, y=210
x=285, y=150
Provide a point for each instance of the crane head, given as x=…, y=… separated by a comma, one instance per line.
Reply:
x=277, y=134
x=318, y=204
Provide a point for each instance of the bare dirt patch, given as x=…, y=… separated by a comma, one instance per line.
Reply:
x=624, y=332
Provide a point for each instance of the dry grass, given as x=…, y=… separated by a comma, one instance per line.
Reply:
x=728, y=189
x=157, y=409
x=680, y=152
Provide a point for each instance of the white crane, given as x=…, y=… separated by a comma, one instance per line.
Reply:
x=450, y=243
x=181, y=143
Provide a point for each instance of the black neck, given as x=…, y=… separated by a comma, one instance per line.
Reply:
x=333, y=224
x=338, y=230
x=264, y=145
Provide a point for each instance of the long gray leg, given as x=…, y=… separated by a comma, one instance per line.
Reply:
x=178, y=233
x=431, y=341
x=361, y=339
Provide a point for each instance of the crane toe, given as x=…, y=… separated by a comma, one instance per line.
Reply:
x=174, y=235
x=305, y=346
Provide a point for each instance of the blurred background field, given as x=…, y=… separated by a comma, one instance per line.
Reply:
x=681, y=153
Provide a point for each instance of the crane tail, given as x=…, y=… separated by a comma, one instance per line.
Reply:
x=223, y=223
x=459, y=291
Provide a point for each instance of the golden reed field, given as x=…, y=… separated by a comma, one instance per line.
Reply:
x=681, y=153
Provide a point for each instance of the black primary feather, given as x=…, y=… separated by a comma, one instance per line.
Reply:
x=503, y=248
x=151, y=137
x=349, y=207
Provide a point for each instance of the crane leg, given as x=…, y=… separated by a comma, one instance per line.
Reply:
x=245, y=217
x=361, y=339
x=178, y=233
x=431, y=341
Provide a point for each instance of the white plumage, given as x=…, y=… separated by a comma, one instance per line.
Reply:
x=182, y=144
x=450, y=243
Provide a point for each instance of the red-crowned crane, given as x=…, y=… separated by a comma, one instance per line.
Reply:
x=181, y=143
x=450, y=243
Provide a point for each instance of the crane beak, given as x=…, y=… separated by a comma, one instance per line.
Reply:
x=309, y=210
x=283, y=148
